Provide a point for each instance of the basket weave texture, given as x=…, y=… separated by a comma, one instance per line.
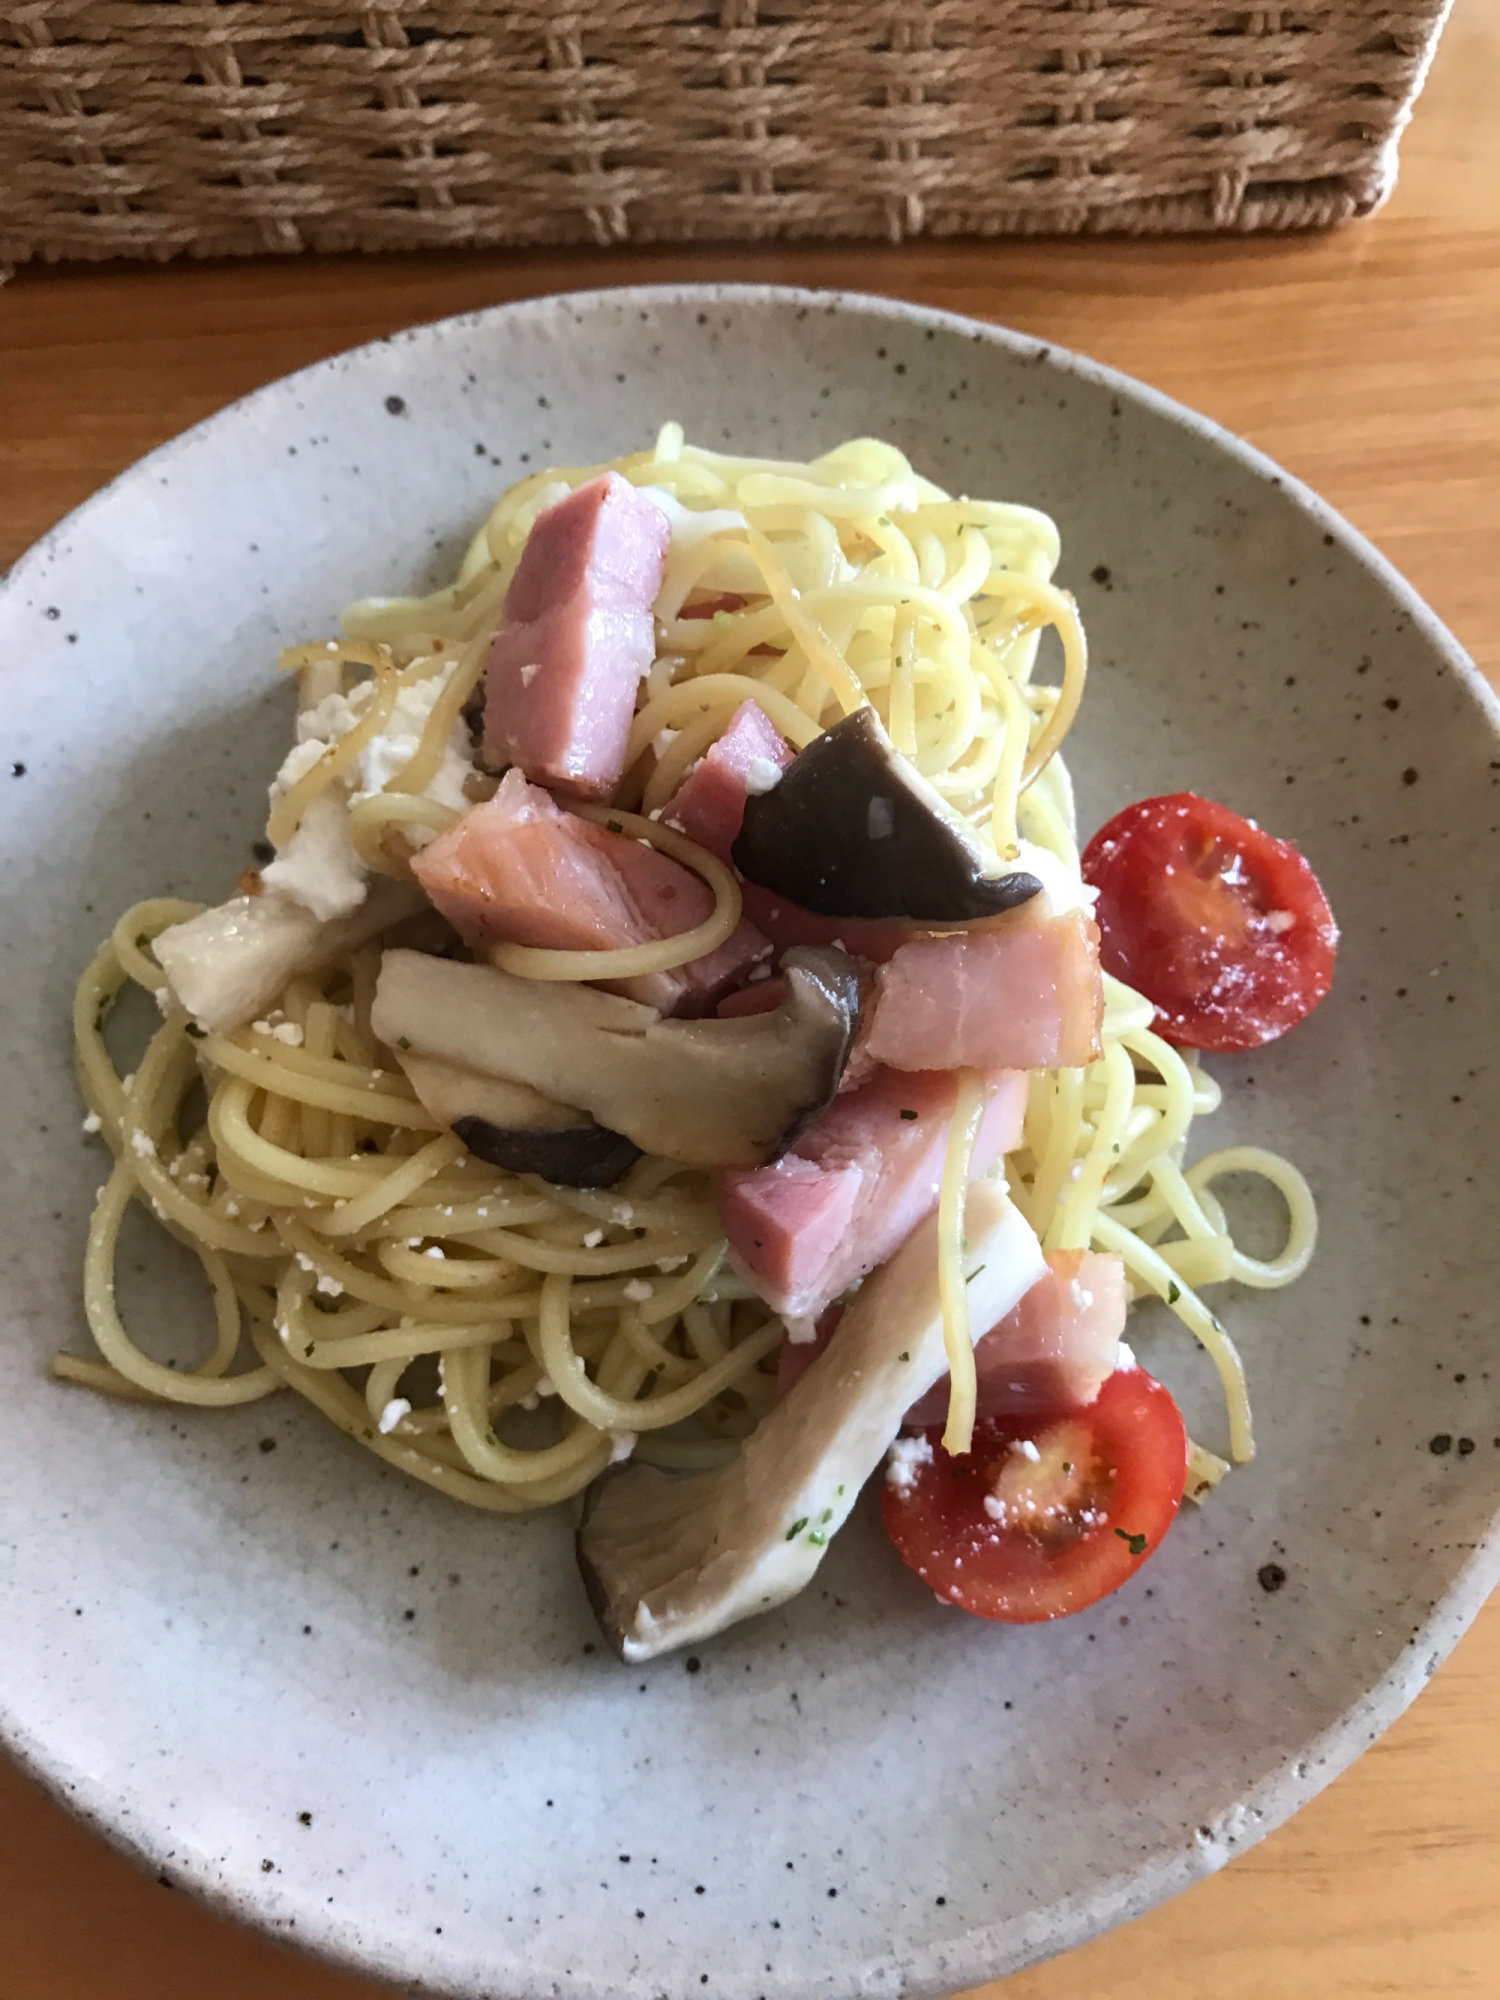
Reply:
x=151, y=129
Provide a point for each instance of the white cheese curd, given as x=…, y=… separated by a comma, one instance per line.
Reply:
x=622, y=1444
x=905, y=1460
x=388, y=753
x=319, y=867
x=391, y=1415
x=762, y=775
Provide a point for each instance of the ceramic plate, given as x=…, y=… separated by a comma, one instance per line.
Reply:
x=346, y=1710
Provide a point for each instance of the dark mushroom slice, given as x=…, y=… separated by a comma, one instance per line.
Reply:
x=708, y=1093
x=667, y=1561
x=853, y=829
x=517, y=1128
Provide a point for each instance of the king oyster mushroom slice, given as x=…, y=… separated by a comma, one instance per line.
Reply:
x=668, y=1561
x=517, y=1128
x=708, y=1093
x=228, y=963
x=853, y=829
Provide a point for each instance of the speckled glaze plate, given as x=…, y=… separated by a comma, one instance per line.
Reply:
x=350, y=1712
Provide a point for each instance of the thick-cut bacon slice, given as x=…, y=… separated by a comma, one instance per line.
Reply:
x=1053, y=1351
x=1021, y=995
x=519, y=869
x=856, y=1184
x=577, y=637
x=748, y=758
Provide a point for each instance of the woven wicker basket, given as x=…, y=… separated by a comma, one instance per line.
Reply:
x=150, y=129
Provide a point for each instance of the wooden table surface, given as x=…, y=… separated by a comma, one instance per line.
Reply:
x=1369, y=363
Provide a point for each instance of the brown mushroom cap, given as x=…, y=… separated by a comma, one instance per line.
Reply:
x=853, y=829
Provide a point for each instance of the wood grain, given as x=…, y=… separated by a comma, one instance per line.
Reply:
x=1369, y=363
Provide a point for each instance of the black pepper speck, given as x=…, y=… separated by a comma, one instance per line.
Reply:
x=1465, y=1446
x=1270, y=1577
x=1409, y=775
x=18, y=770
x=1441, y=1444
x=396, y=405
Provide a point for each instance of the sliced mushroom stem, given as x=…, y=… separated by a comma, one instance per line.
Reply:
x=667, y=1561
x=708, y=1093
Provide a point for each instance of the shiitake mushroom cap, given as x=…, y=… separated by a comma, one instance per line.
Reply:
x=853, y=829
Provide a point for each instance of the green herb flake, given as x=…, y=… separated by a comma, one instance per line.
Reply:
x=308, y=1349
x=796, y=1529
x=1174, y=1292
x=1135, y=1543
x=975, y=1273
x=818, y=1539
x=402, y=1042
x=904, y=1356
x=839, y=1494
x=908, y=1114
x=614, y=826
x=826, y=1516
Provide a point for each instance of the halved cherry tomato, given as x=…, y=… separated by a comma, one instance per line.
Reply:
x=1225, y=930
x=1043, y=1516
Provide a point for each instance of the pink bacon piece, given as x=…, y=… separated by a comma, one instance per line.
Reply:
x=1053, y=1351
x=1022, y=995
x=577, y=636
x=709, y=805
x=856, y=1184
x=520, y=870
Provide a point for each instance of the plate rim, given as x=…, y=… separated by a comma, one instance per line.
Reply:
x=985, y=1951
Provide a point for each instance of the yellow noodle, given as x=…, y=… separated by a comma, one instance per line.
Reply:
x=968, y=1113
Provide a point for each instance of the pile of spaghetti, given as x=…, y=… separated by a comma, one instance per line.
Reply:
x=502, y=1338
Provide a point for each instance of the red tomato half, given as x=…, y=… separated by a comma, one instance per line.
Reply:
x=1021, y=1538
x=1223, y=929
